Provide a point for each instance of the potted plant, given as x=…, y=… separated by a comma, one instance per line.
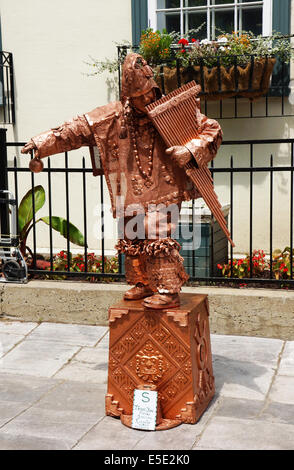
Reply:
x=238, y=63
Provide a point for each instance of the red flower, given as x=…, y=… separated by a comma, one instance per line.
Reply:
x=219, y=266
x=183, y=51
x=285, y=270
x=184, y=42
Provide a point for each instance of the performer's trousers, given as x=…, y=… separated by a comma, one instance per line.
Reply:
x=156, y=261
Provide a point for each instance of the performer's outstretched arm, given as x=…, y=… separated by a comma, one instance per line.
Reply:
x=69, y=136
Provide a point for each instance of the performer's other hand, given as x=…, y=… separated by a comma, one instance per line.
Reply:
x=29, y=147
x=180, y=155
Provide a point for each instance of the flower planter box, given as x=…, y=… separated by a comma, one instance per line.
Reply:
x=219, y=82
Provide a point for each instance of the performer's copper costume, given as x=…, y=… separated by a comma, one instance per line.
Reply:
x=137, y=168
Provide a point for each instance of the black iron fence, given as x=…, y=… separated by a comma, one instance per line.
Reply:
x=7, y=106
x=12, y=177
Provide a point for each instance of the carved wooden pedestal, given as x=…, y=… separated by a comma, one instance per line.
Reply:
x=166, y=348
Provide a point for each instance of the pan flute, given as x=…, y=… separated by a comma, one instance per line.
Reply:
x=168, y=115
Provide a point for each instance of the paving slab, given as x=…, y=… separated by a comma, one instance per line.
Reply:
x=244, y=367
x=67, y=426
x=81, y=335
x=9, y=410
x=39, y=358
x=8, y=341
x=20, y=442
x=23, y=389
x=287, y=360
x=283, y=390
x=243, y=434
x=89, y=365
x=110, y=434
x=75, y=396
x=17, y=327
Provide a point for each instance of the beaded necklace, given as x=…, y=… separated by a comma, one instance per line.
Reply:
x=146, y=175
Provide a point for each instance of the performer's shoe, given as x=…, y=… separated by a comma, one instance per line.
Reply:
x=139, y=291
x=160, y=301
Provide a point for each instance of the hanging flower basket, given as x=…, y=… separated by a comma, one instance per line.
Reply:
x=251, y=80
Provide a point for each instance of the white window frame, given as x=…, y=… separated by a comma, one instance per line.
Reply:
x=266, y=14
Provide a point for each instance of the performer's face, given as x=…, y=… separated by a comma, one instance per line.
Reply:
x=139, y=102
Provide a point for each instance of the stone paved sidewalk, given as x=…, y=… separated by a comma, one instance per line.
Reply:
x=53, y=380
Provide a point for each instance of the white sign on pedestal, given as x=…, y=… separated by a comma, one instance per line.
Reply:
x=144, y=410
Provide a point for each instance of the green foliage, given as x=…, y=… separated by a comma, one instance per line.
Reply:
x=281, y=265
x=77, y=264
x=26, y=222
x=25, y=210
x=60, y=225
x=236, y=48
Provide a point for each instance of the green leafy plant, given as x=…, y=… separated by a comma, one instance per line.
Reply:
x=31, y=203
x=234, y=48
x=282, y=263
x=77, y=263
x=241, y=267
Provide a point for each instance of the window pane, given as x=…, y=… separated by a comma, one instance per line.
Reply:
x=252, y=20
x=171, y=22
x=217, y=2
x=168, y=4
x=196, y=3
x=194, y=21
x=224, y=21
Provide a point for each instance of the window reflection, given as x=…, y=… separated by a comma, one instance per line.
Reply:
x=170, y=22
x=222, y=21
x=252, y=20
x=168, y=4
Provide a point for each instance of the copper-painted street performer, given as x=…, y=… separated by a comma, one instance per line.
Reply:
x=139, y=168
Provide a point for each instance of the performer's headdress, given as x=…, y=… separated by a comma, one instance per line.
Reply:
x=137, y=79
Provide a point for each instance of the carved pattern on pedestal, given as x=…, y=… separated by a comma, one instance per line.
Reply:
x=112, y=406
x=150, y=365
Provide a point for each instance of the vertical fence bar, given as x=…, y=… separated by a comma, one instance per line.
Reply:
x=4, y=209
x=271, y=216
x=283, y=88
x=34, y=219
x=211, y=248
x=193, y=250
x=231, y=209
x=8, y=95
x=85, y=215
x=11, y=73
x=50, y=214
x=251, y=208
x=16, y=192
x=67, y=211
x=102, y=221
x=3, y=85
x=291, y=210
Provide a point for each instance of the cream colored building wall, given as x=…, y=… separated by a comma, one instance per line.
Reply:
x=50, y=42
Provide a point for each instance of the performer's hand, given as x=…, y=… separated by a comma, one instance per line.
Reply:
x=29, y=147
x=180, y=155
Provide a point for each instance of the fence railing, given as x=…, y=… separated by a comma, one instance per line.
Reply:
x=14, y=173
x=7, y=105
